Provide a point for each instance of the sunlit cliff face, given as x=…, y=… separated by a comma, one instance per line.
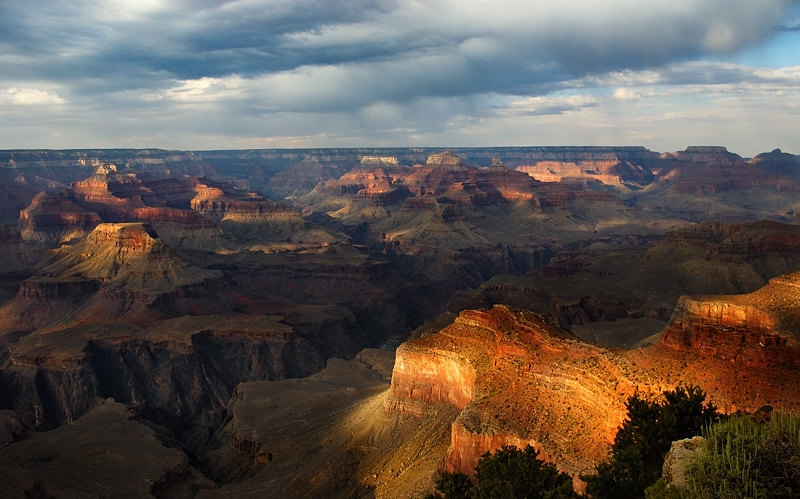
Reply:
x=758, y=328
x=518, y=379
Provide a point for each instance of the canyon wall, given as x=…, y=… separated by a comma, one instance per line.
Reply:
x=176, y=373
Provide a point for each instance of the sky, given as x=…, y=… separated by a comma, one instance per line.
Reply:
x=248, y=74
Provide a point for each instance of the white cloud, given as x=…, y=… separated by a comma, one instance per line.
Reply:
x=363, y=72
x=206, y=89
x=624, y=93
x=32, y=97
x=538, y=106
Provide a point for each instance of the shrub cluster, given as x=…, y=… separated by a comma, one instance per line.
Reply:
x=745, y=459
x=645, y=437
x=510, y=473
x=740, y=459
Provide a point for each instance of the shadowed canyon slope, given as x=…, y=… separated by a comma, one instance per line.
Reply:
x=224, y=323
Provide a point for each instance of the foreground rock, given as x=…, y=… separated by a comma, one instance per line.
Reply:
x=681, y=454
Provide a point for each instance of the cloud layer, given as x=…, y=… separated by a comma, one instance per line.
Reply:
x=394, y=72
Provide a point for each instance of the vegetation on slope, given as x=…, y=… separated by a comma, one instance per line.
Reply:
x=742, y=458
x=637, y=455
x=509, y=473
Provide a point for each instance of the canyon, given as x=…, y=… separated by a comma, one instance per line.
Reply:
x=348, y=322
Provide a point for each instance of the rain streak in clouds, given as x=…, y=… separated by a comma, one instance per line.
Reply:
x=299, y=73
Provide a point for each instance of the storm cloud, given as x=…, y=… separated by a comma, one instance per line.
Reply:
x=339, y=61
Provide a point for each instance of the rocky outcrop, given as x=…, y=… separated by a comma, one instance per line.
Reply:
x=118, y=270
x=439, y=172
x=757, y=328
x=509, y=184
x=175, y=373
x=680, y=455
x=373, y=170
x=52, y=219
x=520, y=380
x=128, y=254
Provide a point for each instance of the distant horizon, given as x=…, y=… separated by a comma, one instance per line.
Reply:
x=388, y=148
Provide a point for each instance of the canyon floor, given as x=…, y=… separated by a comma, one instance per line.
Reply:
x=345, y=323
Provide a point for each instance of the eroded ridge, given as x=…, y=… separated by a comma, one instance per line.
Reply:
x=519, y=379
x=757, y=328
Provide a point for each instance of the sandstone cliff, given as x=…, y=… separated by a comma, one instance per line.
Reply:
x=760, y=328
x=519, y=379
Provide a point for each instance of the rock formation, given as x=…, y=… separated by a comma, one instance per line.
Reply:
x=710, y=183
x=518, y=379
x=118, y=270
x=761, y=328
x=168, y=281
x=345, y=446
x=681, y=454
x=175, y=373
x=52, y=220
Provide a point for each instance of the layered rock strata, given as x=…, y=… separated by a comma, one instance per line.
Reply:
x=176, y=373
x=518, y=379
x=759, y=328
x=118, y=271
x=52, y=219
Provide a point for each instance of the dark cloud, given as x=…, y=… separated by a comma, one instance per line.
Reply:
x=378, y=68
x=119, y=45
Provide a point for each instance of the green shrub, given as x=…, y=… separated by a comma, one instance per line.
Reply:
x=509, y=473
x=637, y=454
x=452, y=486
x=745, y=459
x=663, y=490
x=512, y=473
